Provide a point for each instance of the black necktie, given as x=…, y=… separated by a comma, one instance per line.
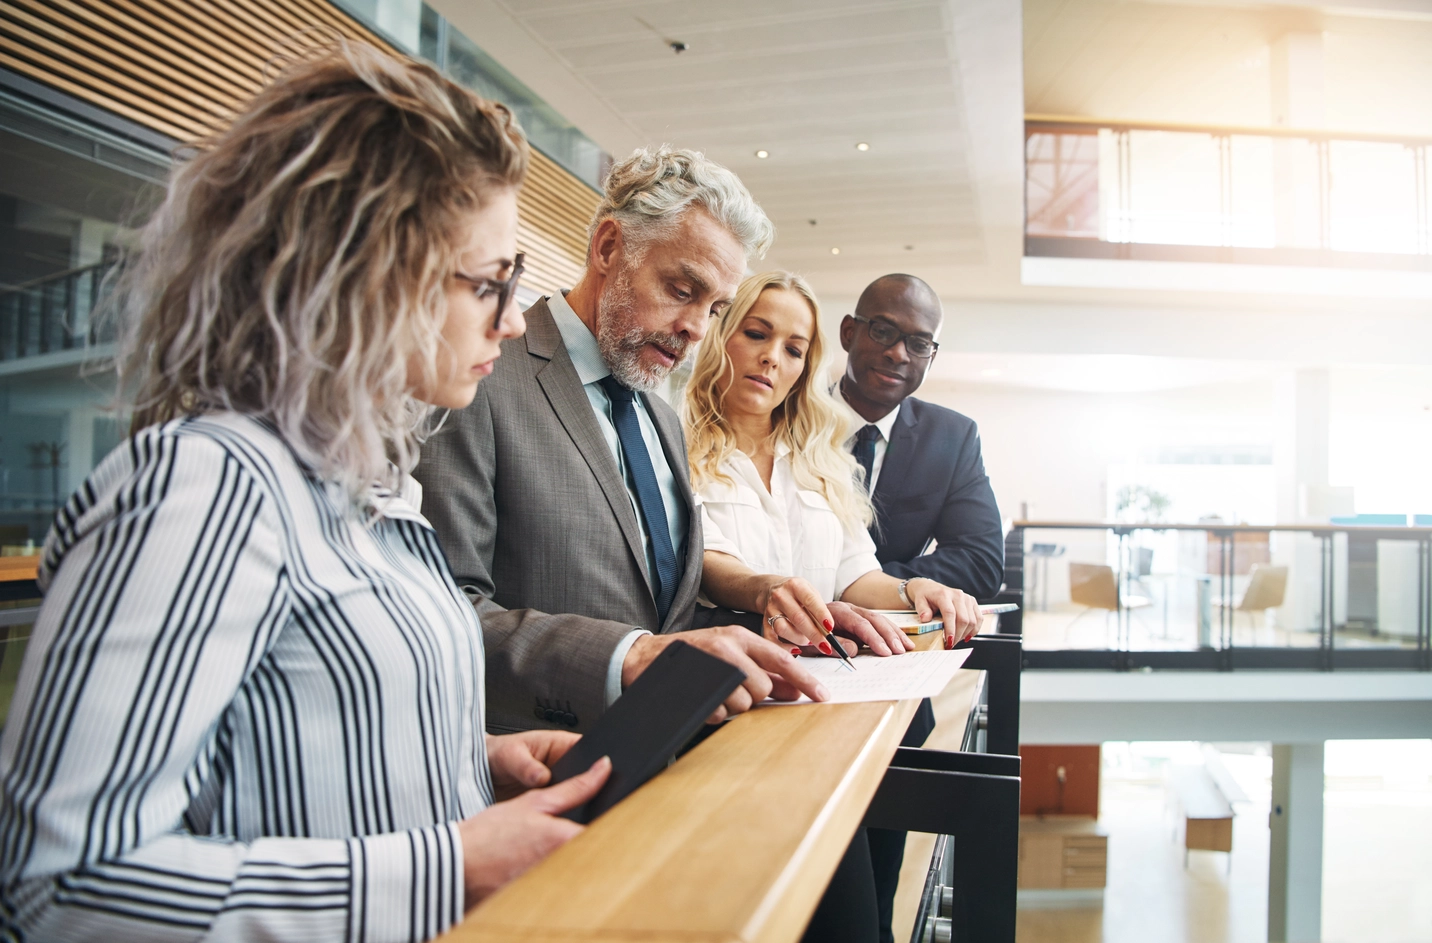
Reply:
x=865, y=441
x=648, y=493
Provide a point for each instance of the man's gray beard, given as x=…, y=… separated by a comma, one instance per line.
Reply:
x=621, y=340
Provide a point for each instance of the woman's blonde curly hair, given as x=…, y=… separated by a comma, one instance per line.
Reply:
x=301, y=255
x=809, y=421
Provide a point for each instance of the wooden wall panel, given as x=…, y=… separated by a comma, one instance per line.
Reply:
x=185, y=67
x=1040, y=792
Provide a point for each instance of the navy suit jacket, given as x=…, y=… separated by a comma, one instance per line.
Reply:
x=932, y=486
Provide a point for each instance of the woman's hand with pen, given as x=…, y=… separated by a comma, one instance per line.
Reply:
x=793, y=612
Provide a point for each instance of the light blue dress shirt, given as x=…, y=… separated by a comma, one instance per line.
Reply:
x=586, y=357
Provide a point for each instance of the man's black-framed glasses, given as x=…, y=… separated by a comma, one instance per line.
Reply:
x=888, y=335
x=504, y=287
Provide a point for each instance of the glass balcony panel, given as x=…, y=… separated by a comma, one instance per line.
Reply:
x=1374, y=197
x=1297, y=183
x=1062, y=185
x=1253, y=217
x=1189, y=589
x=1296, y=199
x=1173, y=190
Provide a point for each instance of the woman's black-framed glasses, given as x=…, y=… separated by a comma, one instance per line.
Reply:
x=888, y=335
x=504, y=288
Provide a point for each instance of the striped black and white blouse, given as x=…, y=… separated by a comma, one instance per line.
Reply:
x=249, y=709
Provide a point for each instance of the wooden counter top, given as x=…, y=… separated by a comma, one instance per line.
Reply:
x=736, y=841
x=19, y=568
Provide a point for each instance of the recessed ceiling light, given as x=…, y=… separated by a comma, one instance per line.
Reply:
x=991, y=372
x=763, y=153
x=862, y=146
x=835, y=250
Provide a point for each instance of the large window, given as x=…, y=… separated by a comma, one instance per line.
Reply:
x=1226, y=194
x=69, y=197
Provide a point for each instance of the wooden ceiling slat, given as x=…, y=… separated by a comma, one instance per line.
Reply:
x=126, y=29
x=55, y=77
x=95, y=76
x=60, y=39
x=209, y=81
x=181, y=67
x=176, y=36
x=248, y=40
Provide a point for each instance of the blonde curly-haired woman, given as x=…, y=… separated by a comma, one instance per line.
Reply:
x=252, y=706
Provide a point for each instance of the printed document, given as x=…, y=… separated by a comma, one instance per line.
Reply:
x=913, y=674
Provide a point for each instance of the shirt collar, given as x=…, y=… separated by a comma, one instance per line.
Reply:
x=581, y=344
x=886, y=423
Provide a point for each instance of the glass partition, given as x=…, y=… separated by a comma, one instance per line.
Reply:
x=69, y=197
x=1089, y=184
x=1331, y=595
x=420, y=30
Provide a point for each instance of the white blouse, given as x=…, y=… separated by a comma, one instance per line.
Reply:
x=788, y=530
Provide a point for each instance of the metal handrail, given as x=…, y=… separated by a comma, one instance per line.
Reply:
x=44, y=280
x=52, y=313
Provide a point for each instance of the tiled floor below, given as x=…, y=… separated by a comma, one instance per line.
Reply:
x=1377, y=872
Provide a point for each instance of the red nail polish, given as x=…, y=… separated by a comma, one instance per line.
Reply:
x=949, y=643
x=795, y=651
x=829, y=626
x=825, y=648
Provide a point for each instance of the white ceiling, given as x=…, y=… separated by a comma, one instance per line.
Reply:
x=805, y=81
x=938, y=89
x=1207, y=61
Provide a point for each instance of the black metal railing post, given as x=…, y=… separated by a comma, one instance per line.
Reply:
x=974, y=799
x=1012, y=623
x=1001, y=657
x=971, y=800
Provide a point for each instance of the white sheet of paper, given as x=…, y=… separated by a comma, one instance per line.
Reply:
x=913, y=674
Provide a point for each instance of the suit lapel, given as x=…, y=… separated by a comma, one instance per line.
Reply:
x=896, y=466
x=559, y=381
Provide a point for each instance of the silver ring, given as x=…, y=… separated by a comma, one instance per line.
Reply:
x=771, y=620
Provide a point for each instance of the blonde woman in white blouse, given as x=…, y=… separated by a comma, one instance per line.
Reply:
x=785, y=522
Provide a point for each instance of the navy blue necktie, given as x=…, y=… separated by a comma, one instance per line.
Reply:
x=648, y=493
x=865, y=441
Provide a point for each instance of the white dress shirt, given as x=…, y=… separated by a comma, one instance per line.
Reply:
x=886, y=424
x=789, y=530
x=591, y=369
x=250, y=709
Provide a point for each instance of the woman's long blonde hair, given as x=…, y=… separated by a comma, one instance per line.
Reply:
x=301, y=257
x=809, y=421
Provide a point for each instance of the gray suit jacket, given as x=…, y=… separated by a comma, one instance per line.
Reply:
x=535, y=518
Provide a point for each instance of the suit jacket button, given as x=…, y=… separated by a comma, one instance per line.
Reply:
x=569, y=719
x=538, y=713
x=549, y=714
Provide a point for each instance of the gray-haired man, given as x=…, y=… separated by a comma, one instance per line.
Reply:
x=561, y=495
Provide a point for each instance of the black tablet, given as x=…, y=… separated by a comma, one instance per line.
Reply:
x=649, y=723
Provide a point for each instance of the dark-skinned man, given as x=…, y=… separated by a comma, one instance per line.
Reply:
x=926, y=477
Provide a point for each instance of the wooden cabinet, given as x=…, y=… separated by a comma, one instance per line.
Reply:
x=1064, y=852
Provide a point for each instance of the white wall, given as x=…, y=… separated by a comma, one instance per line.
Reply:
x=1053, y=448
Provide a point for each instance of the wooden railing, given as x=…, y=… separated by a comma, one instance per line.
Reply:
x=736, y=841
